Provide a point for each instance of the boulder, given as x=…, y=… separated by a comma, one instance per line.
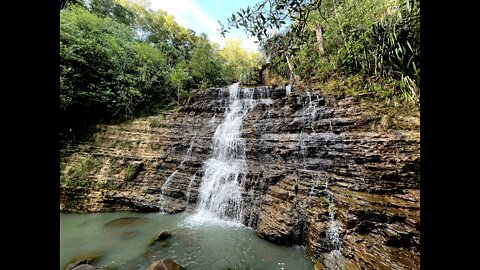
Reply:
x=165, y=264
x=163, y=235
x=84, y=259
x=84, y=267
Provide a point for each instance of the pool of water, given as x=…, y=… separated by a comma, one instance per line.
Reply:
x=124, y=240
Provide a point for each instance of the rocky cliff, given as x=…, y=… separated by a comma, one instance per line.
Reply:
x=339, y=175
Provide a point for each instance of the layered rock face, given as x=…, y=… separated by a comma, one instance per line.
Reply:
x=340, y=176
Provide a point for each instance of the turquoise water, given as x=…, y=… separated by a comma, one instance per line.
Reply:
x=194, y=244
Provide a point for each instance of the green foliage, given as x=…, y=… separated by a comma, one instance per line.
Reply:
x=240, y=65
x=111, y=185
x=184, y=95
x=179, y=77
x=157, y=121
x=104, y=72
x=79, y=174
x=120, y=59
x=374, y=38
x=206, y=64
x=110, y=8
x=130, y=172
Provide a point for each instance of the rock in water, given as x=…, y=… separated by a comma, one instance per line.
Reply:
x=163, y=235
x=165, y=264
x=123, y=221
x=75, y=264
x=128, y=235
x=85, y=259
x=84, y=267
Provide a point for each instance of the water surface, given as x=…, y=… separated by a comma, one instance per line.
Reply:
x=194, y=244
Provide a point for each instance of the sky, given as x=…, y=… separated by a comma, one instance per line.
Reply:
x=203, y=16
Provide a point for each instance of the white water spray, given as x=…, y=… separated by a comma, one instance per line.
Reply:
x=220, y=194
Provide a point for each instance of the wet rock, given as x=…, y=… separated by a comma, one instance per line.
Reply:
x=123, y=221
x=84, y=267
x=276, y=220
x=165, y=264
x=128, y=235
x=84, y=259
x=75, y=264
x=367, y=153
x=163, y=235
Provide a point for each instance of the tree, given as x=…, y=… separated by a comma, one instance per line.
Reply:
x=206, y=63
x=239, y=64
x=179, y=76
x=377, y=38
x=104, y=71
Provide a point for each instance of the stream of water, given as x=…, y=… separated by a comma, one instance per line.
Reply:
x=220, y=192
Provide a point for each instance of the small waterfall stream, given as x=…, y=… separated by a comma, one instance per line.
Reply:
x=189, y=189
x=188, y=155
x=212, y=120
x=333, y=233
x=163, y=188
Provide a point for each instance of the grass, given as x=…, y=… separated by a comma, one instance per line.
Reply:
x=157, y=121
x=79, y=175
x=130, y=172
x=387, y=91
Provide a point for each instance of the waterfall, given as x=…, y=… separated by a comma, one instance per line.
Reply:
x=310, y=110
x=288, y=89
x=212, y=120
x=333, y=233
x=189, y=151
x=189, y=189
x=164, y=186
x=220, y=192
x=333, y=259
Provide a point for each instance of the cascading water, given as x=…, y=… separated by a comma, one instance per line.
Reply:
x=188, y=155
x=333, y=235
x=333, y=259
x=220, y=193
x=189, y=189
x=212, y=120
x=310, y=110
x=288, y=89
x=162, y=189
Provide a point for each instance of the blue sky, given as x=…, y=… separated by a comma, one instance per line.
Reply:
x=203, y=16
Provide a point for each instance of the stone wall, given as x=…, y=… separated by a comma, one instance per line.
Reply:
x=309, y=157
